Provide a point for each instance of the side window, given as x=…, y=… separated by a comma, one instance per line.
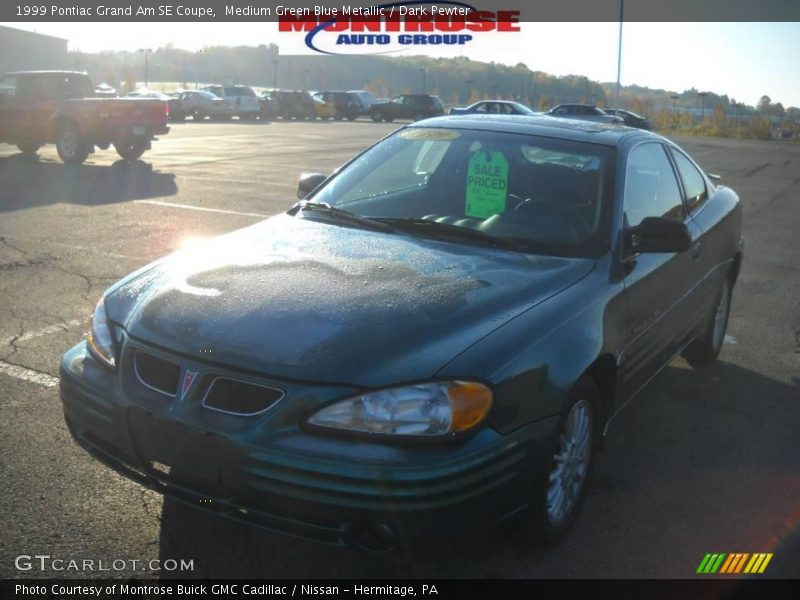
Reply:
x=397, y=100
x=651, y=189
x=27, y=88
x=8, y=87
x=693, y=182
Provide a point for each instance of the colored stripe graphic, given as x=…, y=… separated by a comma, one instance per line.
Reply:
x=711, y=563
x=734, y=562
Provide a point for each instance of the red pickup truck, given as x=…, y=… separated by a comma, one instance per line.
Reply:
x=41, y=107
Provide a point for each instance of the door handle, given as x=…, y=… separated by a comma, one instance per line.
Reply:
x=697, y=250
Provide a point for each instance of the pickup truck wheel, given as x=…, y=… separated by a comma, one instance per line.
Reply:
x=69, y=145
x=28, y=148
x=559, y=493
x=703, y=352
x=131, y=149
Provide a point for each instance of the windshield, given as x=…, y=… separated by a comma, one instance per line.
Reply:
x=546, y=192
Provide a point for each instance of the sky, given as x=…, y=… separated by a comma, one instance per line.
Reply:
x=743, y=60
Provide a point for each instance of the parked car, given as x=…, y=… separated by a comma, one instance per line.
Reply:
x=631, y=118
x=493, y=107
x=323, y=109
x=104, y=90
x=407, y=106
x=199, y=104
x=583, y=112
x=241, y=100
x=152, y=94
x=433, y=340
x=268, y=107
x=367, y=100
x=293, y=104
x=342, y=105
x=43, y=107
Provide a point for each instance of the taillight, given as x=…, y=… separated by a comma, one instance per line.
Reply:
x=166, y=109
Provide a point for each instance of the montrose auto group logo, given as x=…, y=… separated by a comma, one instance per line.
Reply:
x=393, y=27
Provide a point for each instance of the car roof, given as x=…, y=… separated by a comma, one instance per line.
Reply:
x=498, y=102
x=574, y=105
x=608, y=134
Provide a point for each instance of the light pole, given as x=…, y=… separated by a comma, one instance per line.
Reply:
x=424, y=82
x=703, y=106
x=674, y=106
x=146, y=52
x=275, y=62
x=619, y=50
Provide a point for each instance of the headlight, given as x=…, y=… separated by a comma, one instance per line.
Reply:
x=99, y=337
x=426, y=409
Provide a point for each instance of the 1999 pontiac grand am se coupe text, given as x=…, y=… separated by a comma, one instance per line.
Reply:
x=433, y=340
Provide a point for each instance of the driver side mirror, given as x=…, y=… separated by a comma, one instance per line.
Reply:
x=308, y=183
x=657, y=234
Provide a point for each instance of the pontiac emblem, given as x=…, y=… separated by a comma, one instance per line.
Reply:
x=188, y=380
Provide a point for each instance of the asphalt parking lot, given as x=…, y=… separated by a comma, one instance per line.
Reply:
x=702, y=461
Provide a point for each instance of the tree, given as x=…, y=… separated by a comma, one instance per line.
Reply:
x=763, y=104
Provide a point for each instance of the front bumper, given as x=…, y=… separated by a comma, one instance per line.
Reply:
x=329, y=489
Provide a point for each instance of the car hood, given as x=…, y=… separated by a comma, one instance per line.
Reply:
x=303, y=299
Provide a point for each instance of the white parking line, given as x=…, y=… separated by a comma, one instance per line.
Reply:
x=44, y=331
x=201, y=208
x=28, y=375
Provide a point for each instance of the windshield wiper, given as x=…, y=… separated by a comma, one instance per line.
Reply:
x=455, y=232
x=342, y=215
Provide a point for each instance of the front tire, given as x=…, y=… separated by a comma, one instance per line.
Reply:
x=560, y=493
x=704, y=352
x=131, y=149
x=377, y=116
x=69, y=145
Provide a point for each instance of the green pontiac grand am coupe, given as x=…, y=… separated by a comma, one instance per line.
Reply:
x=433, y=340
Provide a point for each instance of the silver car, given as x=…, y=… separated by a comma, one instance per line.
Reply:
x=583, y=112
x=240, y=99
x=198, y=104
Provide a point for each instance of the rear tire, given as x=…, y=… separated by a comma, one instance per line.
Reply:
x=198, y=115
x=704, y=352
x=377, y=116
x=29, y=148
x=131, y=149
x=559, y=493
x=69, y=145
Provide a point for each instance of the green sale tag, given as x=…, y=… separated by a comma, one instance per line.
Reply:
x=487, y=184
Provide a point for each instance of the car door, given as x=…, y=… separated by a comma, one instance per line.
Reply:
x=12, y=111
x=663, y=291
x=711, y=248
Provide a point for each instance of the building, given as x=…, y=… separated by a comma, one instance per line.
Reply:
x=22, y=50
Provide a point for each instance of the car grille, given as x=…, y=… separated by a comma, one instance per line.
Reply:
x=156, y=373
x=239, y=397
